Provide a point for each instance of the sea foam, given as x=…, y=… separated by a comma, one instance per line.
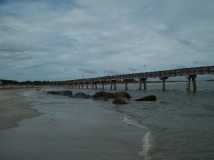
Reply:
x=146, y=140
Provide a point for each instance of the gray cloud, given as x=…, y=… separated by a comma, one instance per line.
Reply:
x=87, y=71
x=51, y=39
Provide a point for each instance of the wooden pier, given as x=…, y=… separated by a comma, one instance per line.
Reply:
x=142, y=78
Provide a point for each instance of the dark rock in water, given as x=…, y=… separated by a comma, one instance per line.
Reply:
x=103, y=95
x=52, y=92
x=67, y=93
x=108, y=95
x=81, y=95
x=120, y=100
x=122, y=94
x=147, y=98
x=62, y=93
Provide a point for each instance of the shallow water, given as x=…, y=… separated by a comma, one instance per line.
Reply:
x=70, y=129
x=179, y=126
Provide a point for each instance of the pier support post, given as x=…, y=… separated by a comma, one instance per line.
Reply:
x=126, y=84
x=142, y=80
x=192, y=78
x=87, y=85
x=95, y=84
x=111, y=85
x=164, y=83
x=145, y=85
x=115, y=85
x=188, y=84
x=194, y=85
x=103, y=85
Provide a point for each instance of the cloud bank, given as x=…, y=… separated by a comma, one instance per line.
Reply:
x=68, y=39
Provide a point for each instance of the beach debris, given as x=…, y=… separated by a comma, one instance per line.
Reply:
x=147, y=98
x=120, y=100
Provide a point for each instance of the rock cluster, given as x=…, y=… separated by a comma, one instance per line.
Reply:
x=81, y=95
x=120, y=100
x=103, y=95
x=122, y=94
x=118, y=97
x=62, y=93
x=147, y=98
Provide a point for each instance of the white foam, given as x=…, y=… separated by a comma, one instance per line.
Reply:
x=146, y=140
x=133, y=123
x=146, y=146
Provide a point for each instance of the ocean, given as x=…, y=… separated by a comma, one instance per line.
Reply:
x=179, y=126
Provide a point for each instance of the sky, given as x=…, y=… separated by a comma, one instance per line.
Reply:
x=69, y=39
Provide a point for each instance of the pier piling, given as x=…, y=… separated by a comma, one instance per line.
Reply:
x=111, y=85
x=103, y=86
x=115, y=85
x=95, y=84
x=126, y=84
x=142, y=80
x=191, y=79
x=164, y=83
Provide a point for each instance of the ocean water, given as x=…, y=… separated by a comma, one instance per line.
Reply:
x=179, y=126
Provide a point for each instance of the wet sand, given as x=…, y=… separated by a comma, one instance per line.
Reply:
x=14, y=109
x=71, y=129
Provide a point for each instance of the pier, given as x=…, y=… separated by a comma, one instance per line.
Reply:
x=142, y=78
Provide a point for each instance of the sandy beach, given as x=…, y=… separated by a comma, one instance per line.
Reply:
x=14, y=109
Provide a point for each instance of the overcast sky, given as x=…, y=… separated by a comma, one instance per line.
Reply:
x=68, y=39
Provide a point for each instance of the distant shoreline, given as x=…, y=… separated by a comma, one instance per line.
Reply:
x=9, y=87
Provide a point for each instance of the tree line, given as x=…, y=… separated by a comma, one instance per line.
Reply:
x=13, y=82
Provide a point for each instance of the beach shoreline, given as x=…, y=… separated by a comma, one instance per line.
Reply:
x=76, y=128
x=13, y=111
